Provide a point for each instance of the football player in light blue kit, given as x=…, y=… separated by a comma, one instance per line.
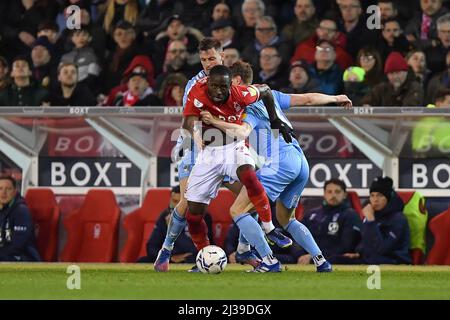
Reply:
x=284, y=174
x=211, y=54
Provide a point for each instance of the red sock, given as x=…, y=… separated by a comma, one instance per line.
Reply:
x=256, y=193
x=198, y=229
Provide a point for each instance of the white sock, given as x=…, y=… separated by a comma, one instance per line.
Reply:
x=243, y=247
x=270, y=259
x=318, y=260
x=267, y=226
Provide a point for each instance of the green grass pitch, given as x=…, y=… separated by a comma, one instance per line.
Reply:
x=139, y=281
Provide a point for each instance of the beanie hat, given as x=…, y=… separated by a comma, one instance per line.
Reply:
x=358, y=71
x=43, y=41
x=395, y=62
x=382, y=185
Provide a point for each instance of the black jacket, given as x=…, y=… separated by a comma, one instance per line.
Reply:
x=386, y=240
x=17, y=241
x=81, y=96
x=336, y=229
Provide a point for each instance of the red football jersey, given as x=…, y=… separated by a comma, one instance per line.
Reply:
x=230, y=111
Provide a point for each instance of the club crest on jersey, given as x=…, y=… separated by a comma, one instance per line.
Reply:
x=198, y=104
x=252, y=91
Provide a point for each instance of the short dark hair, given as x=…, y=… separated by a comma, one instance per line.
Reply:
x=176, y=189
x=220, y=70
x=391, y=20
x=337, y=182
x=65, y=64
x=209, y=43
x=10, y=178
x=242, y=69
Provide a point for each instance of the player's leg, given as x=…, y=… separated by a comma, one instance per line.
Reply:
x=285, y=211
x=252, y=232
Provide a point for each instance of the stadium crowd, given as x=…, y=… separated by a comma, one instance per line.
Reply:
x=142, y=52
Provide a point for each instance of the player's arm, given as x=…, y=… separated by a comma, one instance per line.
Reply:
x=241, y=131
x=309, y=99
x=190, y=124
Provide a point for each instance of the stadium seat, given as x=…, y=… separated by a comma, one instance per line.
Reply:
x=139, y=224
x=355, y=202
x=45, y=212
x=219, y=208
x=92, y=230
x=440, y=227
x=299, y=212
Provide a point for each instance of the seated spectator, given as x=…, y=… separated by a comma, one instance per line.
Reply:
x=388, y=10
x=70, y=92
x=442, y=79
x=265, y=35
x=17, y=241
x=335, y=225
x=251, y=11
x=43, y=70
x=4, y=74
x=272, y=71
x=223, y=31
x=326, y=70
x=221, y=11
x=370, y=60
x=326, y=30
x=230, y=56
x=417, y=61
x=184, y=250
x=392, y=39
x=401, y=89
x=421, y=29
x=300, y=80
x=304, y=25
x=84, y=57
x=139, y=93
x=176, y=61
x=172, y=89
x=354, y=86
x=50, y=30
x=22, y=91
x=437, y=52
x=385, y=230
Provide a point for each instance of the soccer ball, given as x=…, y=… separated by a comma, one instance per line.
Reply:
x=211, y=259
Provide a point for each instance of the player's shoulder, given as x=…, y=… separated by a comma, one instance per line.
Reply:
x=244, y=90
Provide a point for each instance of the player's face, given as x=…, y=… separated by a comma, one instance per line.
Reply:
x=7, y=191
x=378, y=201
x=210, y=58
x=334, y=195
x=219, y=88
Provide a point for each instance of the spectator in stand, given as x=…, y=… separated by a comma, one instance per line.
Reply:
x=417, y=61
x=388, y=10
x=385, y=230
x=184, y=250
x=370, y=60
x=304, y=25
x=139, y=93
x=421, y=30
x=153, y=16
x=326, y=30
x=437, y=52
x=230, y=56
x=335, y=225
x=84, y=57
x=4, y=74
x=17, y=240
x=50, y=29
x=272, y=71
x=252, y=11
x=119, y=10
x=221, y=11
x=300, y=80
x=176, y=62
x=354, y=86
x=70, y=92
x=172, y=89
x=43, y=70
x=401, y=89
x=223, y=31
x=119, y=59
x=265, y=35
x=197, y=13
x=392, y=39
x=22, y=91
x=326, y=70
x=442, y=79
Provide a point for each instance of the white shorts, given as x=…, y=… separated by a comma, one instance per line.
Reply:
x=211, y=165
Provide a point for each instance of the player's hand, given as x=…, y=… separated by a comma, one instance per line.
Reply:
x=305, y=259
x=344, y=101
x=283, y=128
x=207, y=117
